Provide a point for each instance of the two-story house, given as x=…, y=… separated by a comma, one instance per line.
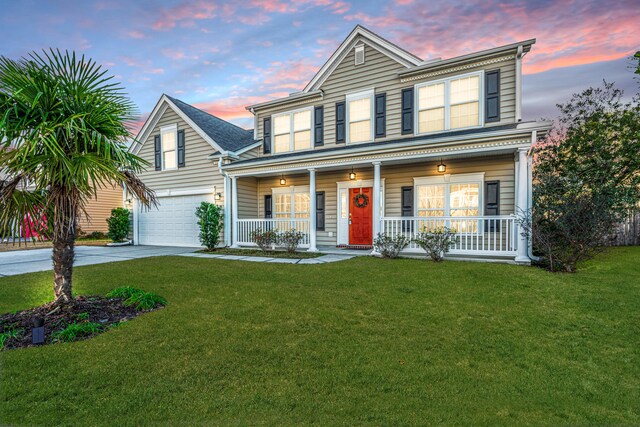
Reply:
x=378, y=141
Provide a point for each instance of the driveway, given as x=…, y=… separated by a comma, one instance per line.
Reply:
x=29, y=261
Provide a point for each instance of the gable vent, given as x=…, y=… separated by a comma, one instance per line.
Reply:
x=359, y=54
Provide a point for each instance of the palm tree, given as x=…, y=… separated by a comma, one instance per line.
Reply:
x=63, y=134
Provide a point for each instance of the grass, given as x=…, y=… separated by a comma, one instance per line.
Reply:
x=10, y=246
x=259, y=252
x=142, y=300
x=360, y=342
x=77, y=330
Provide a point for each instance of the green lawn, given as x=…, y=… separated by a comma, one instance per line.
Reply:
x=365, y=341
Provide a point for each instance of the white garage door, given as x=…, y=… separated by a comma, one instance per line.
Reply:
x=173, y=223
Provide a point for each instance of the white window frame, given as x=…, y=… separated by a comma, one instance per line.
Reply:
x=355, y=96
x=358, y=49
x=446, y=180
x=163, y=130
x=447, y=104
x=291, y=190
x=292, y=130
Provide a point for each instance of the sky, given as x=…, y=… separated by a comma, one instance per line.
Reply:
x=221, y=56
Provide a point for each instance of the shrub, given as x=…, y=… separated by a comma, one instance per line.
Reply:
x=9, y=333
x=436, y=242
x=290, y=239
x=210, y=219
x=118, y=224
x=390, y=247
x=96, y=235
x=264, y=239
x=137, y=297
x=77, y=330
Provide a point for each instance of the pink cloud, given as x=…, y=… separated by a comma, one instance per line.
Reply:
x=185, y=13
x=135, y=34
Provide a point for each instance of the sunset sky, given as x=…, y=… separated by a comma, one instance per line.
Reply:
x=221, y=56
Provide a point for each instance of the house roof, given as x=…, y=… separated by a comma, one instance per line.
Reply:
x=227, y=135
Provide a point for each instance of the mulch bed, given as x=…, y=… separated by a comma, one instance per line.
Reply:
x=98, y=309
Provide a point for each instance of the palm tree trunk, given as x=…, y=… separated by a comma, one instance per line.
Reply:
x=64, y=239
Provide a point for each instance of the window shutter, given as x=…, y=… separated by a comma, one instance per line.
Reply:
x=407, y=207
x=266, y=135
x=340, y=122
x=407, y=111
x=268, y=206
x=181, y=148
x=381, y=115
x=157, y=146
x=318, y=125
x=492, y=96
x=320, y=211
x=492, y=204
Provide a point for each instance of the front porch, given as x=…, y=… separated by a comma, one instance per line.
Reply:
x=476, y=196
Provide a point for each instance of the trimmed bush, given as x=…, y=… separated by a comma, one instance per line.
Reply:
x=390, y=247
x=436, y=242
x=210, y=220
x=264, y=239
x=290, y=239
x=118, y=224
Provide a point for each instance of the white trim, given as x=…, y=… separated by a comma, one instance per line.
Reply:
x=359, y=49
x=447, y=102
x=446, y=180
x=185, y=191
x=356, y=183
x=167, y=129
x=519, y=56
x=356, y=96
x=292, y=130
x=394, y=52
x=290, y=190
x=245, y=149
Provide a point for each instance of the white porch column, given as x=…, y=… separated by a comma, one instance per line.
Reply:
x=234, y=212
x=522, y=204
x=227, y=211
x=312, y=209
x=136, y=225
x=377, y=205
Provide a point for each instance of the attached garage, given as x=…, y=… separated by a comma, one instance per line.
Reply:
x=173, y=223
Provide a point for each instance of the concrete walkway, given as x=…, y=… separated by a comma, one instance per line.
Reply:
x=30, y=261
x=319, y=260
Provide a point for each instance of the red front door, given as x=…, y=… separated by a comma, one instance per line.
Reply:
x=361, y=217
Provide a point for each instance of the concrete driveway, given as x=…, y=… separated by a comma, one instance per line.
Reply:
x=29, y=261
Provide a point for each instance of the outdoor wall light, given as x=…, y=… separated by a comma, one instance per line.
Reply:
x=37, y=333
x=352, y=175
x=442, y=168
x=217, y=196
x=282, y=180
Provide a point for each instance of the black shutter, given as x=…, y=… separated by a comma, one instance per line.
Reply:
x=268, y=206
x=407, y=110
x=318, y=125
x=320, y=211
x=381, y=115
x=340, y=122
x=266, y=135
x=492, y=96
x=157, y=146
x=181, y=148
x=492, y=204
x=407, y=207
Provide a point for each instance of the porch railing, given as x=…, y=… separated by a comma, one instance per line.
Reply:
x=480, y=235
x=247, y=226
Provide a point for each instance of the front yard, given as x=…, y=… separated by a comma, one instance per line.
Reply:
x=364, y=341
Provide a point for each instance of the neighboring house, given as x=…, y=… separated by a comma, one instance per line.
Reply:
x=378, y=141
x=99, y=209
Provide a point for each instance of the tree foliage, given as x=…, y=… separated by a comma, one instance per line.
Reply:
x=63, y=135
x=210, y=220
x=118, y=224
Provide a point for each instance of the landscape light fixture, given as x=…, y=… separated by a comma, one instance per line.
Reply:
x=352, y=175
x=37, y=333
x=442, y=168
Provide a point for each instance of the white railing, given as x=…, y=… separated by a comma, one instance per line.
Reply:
x=480, y=235
x=247, y=226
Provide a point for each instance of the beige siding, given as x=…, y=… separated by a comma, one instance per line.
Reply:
x=380, y=72
x=247, y=194
x=198, y=172
x=99, y=209
x=251, y=154
x=500, y=168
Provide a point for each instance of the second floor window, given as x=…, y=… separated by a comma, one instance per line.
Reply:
x=168, y=137
x=449, y=104
x=359, y=117
x=292, y=131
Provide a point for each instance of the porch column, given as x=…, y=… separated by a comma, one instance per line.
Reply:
x=227, y=211
x=377, y=205
x=234, y=212
x=522, y=205
x=136, y=225
x=312, y=211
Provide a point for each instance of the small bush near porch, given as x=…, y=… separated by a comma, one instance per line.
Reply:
x=361, y=342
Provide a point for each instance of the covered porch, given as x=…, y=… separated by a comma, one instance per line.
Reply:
x=344, y=206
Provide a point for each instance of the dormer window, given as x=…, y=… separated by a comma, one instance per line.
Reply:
x=452, y=103
x=292, y=130
x=359, y=51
